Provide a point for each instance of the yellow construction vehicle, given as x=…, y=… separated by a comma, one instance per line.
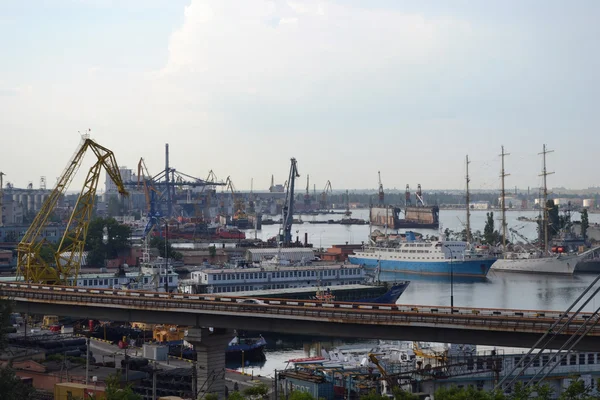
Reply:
x=49, y=320
x=67, y=258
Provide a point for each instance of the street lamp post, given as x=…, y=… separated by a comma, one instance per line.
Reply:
x=451, y=279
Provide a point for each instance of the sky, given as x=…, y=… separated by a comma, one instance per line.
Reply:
x=348, y=88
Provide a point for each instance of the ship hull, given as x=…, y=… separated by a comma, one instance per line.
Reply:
x=477, y=268
x=404, y=224
x=552, y=265
x=389, y=297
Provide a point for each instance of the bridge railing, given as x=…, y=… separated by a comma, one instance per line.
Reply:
x=467, y=318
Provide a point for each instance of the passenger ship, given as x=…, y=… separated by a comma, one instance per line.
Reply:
x=441, y=258
x=241, y=279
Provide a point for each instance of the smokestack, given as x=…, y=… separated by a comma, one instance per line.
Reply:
x=305, y=239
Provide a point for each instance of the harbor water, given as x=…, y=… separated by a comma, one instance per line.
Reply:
x=326, y=235
x=498, y=290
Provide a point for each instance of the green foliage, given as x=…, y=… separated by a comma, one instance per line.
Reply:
x=211, y=396
x=159, y=243
x=236, y=396
x=11, y=386
x=118, y=240
x=260, y=390
x=298, y=395
x=373, y=395
x=114, y=207
x=488, y=230
x=585, y=223
x=212, y=251
x=115, y=392
x=47, y=253
x=576, y=390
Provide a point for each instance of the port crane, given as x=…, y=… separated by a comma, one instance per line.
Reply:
x=67, y=258
x=419, y=195
x=239, y=208
x=285, y=232
x=327, y=190
x=389, y=381
x=381, y=194
x=307, y=194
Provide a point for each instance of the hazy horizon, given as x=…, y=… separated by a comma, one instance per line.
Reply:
x=348, y=88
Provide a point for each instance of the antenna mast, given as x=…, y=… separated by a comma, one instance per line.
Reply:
x=468, y=201
x=1, y=196
x=544, y=174
x=503, y=194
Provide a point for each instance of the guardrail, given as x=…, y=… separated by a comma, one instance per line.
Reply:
x=530, y=321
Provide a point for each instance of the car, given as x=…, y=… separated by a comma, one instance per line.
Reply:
x=251, y=301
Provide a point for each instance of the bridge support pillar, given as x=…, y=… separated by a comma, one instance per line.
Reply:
x=210, y=346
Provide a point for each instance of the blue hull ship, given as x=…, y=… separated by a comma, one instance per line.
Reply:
x=441, y=258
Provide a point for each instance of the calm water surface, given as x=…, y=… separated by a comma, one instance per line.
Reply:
x=498, y=290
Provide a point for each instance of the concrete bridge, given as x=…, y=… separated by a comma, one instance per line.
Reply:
x=497, y=327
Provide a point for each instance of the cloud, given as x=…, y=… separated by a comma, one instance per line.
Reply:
x=261, y=43
x=7, y=90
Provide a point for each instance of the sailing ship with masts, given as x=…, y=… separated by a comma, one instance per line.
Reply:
x=539, y=260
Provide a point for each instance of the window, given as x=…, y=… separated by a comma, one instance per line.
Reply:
x=572, y=360
x=590, y=358
x=563, y=361
x=581, y=358
x=545, y=359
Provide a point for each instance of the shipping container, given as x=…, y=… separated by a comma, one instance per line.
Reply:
x=69, y=391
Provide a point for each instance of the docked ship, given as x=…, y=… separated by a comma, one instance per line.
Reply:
x=287, y=281
x=412, y=255
x=415, y=216
x=560, y=256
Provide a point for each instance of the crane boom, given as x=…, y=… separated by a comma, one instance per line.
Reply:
x=381, y=193
x=69, y=254
x=288, y=208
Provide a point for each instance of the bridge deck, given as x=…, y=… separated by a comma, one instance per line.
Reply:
x=283, y=315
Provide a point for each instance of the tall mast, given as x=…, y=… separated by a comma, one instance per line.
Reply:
x=468, y=201
x=544, y=174
x=1, y=196
x=503, y=194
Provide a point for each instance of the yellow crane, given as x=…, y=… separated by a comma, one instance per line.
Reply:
x=239, y=208
x=67, y=258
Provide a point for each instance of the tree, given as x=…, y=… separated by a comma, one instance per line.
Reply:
x=114, y=207
x=488, y=230
x=115, y=392
x=298, y=395
x=585, y=223
x=259, y=391
x=576, y=390
x=11, y=386
x=117, y=240
x=212, y=251
x=159, y=243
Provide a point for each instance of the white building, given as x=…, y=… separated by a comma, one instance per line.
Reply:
x=127, y=175
x=480, y=205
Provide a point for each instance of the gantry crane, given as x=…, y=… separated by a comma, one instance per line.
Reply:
x=381, y=194
x=328, y=189
x=307, y=194
x=68, y=256
x=285, y=232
